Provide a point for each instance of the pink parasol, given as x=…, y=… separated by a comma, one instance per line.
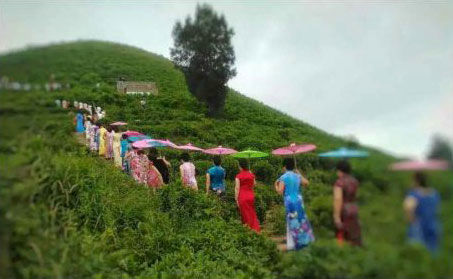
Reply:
x=220, y=151
x=420, y=165
x=118, y=123
x=141, y=144
x=293, y=149
x=133, y=133
x=161, y=142
x=189, y=147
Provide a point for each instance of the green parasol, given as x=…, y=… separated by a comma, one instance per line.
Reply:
x=250, y=154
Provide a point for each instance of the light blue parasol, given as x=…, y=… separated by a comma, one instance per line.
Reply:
x=345, y=152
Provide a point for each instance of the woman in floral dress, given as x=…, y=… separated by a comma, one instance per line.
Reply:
x=109, y=143
x=94, y=137
x=153, y=177
x=299, y=233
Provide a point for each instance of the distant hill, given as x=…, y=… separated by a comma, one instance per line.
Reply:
x=85, y=63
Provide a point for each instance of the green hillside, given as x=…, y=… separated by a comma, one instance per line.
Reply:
x=69, y=213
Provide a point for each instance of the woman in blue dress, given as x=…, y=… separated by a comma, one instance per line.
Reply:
x=79, y=122
x=215, y=178
x=421, y=205
x=124, y=149
x=298, y=229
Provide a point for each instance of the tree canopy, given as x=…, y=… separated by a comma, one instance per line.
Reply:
x=203, y=51
x=441, y=149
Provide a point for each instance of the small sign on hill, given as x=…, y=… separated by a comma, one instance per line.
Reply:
x=136, y=87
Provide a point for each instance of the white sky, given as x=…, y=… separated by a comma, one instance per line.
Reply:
x=379, y=70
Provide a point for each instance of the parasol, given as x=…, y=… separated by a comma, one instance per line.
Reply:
x=345, y=153
x=161, y=143
x=189, y=147
x=118, y=123
x=149, y=143
x=133, y=133
x=248, y=154
x=220, y=151
x=138, y=138
x=294, y=149
x=141, y=144
x=420, y=165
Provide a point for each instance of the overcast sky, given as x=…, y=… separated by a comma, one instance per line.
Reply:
x=380, y=71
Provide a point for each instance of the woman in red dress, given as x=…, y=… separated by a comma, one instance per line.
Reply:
x=245, y=198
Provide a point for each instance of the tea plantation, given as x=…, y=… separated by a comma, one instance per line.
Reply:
x=66, y=213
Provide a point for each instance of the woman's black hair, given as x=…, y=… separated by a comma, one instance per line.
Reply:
x=124, y=136
x=217, y=160
x=185, y=157
x=288, y=163
x=344, y=166
x=244, y=164
x=153, y=152
x=420, y=179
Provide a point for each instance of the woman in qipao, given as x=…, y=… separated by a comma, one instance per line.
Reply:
x=299, y=233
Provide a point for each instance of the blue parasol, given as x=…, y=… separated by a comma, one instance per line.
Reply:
x=345, y=153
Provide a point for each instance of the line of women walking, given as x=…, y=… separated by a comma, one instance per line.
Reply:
x=150, y=169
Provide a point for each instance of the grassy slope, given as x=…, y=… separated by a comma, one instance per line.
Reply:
x=89, y=62
x=176, y=115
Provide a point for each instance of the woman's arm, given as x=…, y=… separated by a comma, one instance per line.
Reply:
x=165, y=161
x=304, y=181
x=279, y=187
x=153, y=168
x=181, y=170
x=208, y=182
x=337, y=204
x=409, y=205
x=236, y=190
x=161, y=180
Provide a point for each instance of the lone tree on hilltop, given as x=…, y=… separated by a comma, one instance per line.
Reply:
x=441, y=149
x=203, y=51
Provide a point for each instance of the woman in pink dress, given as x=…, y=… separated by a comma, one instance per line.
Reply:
x=187, y=169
